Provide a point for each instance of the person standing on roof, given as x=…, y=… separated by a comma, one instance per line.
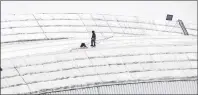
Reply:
x=93, y=39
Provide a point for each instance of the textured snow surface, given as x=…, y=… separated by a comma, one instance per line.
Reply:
x=41, y=51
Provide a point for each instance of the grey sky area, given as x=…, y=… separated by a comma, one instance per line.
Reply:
x=154, y=10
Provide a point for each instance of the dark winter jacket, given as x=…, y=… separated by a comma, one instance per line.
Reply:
x=93, y=36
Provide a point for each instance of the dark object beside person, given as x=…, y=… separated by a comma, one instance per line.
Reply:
x=83, y=45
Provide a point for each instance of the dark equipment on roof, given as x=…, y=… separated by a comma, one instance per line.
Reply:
x=83, y=45
x=169, y=17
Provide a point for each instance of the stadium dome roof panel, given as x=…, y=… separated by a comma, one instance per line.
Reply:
x=42, y=55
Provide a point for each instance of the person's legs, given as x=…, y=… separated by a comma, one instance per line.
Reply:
x=94, y=42
x=91, y=42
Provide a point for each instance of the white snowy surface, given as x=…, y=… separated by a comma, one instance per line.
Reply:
x=152, y=51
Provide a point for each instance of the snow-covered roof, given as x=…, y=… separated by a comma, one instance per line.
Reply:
x=40, y=52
